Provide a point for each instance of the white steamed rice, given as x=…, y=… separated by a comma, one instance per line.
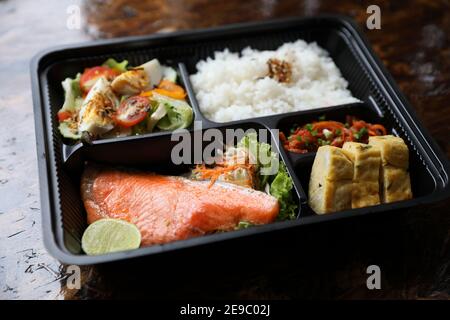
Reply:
x=232, y=87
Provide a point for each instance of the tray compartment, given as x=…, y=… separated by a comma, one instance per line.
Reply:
x=68, y=150
x=147, y=153
x=59, y=71
x=422, y=182
x=333, y=39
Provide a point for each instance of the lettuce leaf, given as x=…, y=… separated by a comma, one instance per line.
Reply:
x=72, y=94
x=280, y=183
x=267, y=161
x=113, y=64
x=72, y=103
x=179, y=113
x=281, y=188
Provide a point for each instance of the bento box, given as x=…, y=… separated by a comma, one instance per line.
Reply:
x=61, y=164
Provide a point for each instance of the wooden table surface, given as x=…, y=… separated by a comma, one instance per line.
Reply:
x=327, y=261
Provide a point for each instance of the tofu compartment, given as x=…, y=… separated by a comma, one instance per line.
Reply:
x=422, y=184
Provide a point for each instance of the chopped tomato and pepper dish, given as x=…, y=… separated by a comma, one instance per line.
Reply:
x=309, y=137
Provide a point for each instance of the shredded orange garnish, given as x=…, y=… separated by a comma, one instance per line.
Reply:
x=214, y=173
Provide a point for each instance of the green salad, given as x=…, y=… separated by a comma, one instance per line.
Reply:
x=113, y=99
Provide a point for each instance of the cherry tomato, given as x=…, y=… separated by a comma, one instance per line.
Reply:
x=64, y=115
x=91, y=75
x=132, y=111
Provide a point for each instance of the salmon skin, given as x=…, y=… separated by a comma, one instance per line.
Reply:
x=168, y=208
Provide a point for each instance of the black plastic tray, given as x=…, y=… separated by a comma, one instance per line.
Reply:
x=60, y=165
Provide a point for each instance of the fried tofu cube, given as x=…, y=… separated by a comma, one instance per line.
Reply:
x=365, y=194
x=333, y=162
x=331, y=196
x=330, y=185
x=393, y=150
x=396, y=184
x=394, y=176
x=366, y=160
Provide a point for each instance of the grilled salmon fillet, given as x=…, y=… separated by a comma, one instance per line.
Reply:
x=168, y=208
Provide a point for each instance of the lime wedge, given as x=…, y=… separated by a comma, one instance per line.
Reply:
x=110, y=235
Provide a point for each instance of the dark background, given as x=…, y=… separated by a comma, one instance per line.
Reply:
x=324, y=261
